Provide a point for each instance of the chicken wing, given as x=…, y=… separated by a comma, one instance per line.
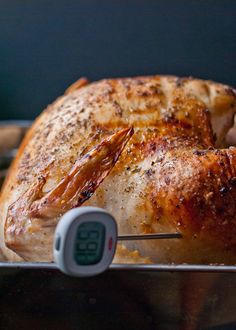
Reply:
x=33, y=216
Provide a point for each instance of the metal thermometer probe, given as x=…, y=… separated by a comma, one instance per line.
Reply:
x=85, y=241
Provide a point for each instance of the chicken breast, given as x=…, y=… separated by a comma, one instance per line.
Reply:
x=150, y=150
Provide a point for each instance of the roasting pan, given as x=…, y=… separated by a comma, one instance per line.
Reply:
x=39, y=296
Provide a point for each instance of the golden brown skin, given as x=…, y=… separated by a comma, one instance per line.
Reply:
x=171, y=176
x=34, y=215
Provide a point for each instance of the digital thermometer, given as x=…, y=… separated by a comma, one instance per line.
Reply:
x=85, y=241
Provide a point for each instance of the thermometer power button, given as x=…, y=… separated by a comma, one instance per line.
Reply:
x=58, y=242
x=110, y=243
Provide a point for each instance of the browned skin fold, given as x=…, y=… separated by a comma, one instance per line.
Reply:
x=77, y=85
x=33, y=210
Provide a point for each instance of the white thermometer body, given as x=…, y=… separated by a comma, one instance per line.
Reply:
x=85, y=241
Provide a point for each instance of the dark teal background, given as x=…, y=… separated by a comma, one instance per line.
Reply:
x=46, y=45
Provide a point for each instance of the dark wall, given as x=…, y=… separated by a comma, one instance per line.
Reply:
x=46, y=45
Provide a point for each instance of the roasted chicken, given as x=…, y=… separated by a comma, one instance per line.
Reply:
x=151, y=150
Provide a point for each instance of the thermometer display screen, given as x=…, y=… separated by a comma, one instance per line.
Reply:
x=89, y=243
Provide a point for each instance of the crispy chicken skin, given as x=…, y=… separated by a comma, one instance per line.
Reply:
x=174, y=172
